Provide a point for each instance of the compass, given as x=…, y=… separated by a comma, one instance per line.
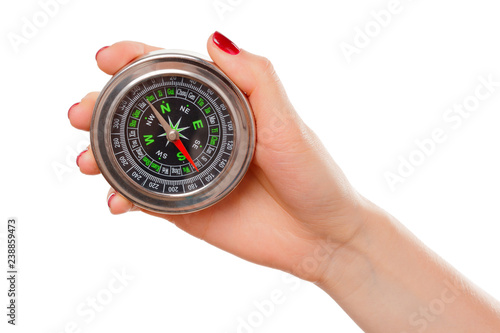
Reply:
x=172, y=133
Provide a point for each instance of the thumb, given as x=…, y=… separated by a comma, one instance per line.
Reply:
x=255, y=75
x=288, y=153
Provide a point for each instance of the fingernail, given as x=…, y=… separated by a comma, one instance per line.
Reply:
x=72, y=106
x=103, y=48
x=225, y=44
x=111, y=196
x=78, y=157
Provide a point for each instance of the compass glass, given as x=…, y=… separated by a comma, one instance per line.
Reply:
x=140, y=144
x=172, y=133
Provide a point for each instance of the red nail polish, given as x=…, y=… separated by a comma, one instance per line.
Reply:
x=225, y=44
x=78, y=157
x=111, y=196
x=72, y=106
x=103, y=48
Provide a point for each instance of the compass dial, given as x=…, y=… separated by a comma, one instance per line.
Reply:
x=172, y=133
x=196, y=113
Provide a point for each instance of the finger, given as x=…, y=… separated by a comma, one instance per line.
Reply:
x=285, y=146
x=253, y=74
x=86, y=162
x=278, y=125
x=80, y=114
x=118, y=204
x=111, y=59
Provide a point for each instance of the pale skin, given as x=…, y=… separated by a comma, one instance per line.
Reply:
x=314, y=225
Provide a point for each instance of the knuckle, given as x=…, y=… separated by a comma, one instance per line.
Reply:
x=266, y=67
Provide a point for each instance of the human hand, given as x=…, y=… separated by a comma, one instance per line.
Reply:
x=293, y=197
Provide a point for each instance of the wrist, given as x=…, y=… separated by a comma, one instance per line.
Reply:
x=352, y=263
x=388, y=281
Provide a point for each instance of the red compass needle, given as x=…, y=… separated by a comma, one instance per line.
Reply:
x=178, y=143
x=172, y=135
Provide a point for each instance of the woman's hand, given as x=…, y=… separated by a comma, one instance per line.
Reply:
x=294, y=197
x=295, y=211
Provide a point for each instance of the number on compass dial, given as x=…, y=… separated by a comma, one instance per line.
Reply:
x=180, y=153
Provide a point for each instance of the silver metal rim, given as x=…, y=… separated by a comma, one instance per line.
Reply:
x=173, y=62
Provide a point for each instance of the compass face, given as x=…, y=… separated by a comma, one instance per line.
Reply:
x=196, y=112
x=172, y=133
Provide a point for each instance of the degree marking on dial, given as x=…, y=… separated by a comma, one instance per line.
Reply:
x=220, y=115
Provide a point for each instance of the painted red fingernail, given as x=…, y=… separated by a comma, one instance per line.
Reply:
x=225, y=44
x=111, y=196
x=103, y=48
x=72, y=106
x=78, y=157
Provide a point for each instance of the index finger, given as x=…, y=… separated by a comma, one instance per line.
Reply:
x=113, y=58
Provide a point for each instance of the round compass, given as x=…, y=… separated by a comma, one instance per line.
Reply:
x=172, y=133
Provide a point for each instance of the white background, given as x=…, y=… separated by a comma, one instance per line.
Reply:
x=368, y=113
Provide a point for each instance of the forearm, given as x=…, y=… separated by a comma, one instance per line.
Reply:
x=388, y=281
